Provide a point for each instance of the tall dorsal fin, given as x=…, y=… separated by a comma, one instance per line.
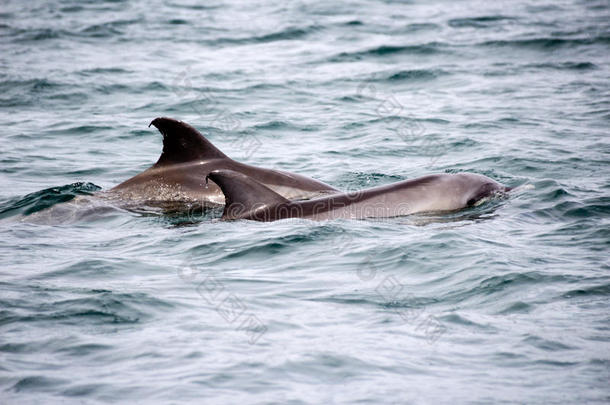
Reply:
x=182, y=143
x=243, y=194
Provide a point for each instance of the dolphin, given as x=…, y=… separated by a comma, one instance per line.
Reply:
x=249, y=199
x=188, y=157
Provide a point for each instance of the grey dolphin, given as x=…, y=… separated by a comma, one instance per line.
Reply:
x=248, y=199
x=179, y=176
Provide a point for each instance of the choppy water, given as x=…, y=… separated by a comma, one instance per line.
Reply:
x=503, y=303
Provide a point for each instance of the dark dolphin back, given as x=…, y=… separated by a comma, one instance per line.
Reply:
x=182, y=143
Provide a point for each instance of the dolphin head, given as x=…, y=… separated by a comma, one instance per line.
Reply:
x=479, y=187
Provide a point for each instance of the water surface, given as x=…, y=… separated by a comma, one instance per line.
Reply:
x=506, y=302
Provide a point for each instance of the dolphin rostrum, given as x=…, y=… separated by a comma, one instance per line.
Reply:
x=249, y=199
x=179, y=176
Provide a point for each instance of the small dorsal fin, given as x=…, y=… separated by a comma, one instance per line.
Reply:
x=243, y=194
x=182, y=143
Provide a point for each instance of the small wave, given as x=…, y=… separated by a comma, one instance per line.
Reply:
x=546, y=43
x=415, y=27
x=97, y=71
x=19, y=93
x=100, y=308
x=108, y=29
x=565, y=66
x=33, y=85
x=416, y=75
x=478, y=22
x=283, y=35
x=505, y=69
x=38, y=383
x=461, y=320
x=290, y=33
x=275, y=125
x=563, y=204
x=603, y=290
x=547, y=345
x=496, y=284
x=86, y=269
x=43, y=199
x=133, y=88
x=276, y=245
x=387, y=50
x=194, y=6
x=597, y=207
x=71, y=9
x=37, y=34
x=104, y=30
x=80, y=130
x=519, y=307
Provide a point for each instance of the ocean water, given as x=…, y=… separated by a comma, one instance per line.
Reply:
x=507, y=302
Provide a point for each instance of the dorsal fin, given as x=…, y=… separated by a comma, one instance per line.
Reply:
x=243, y=194
x=182, y=143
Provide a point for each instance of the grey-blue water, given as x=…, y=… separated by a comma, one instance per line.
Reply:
x=507, y=302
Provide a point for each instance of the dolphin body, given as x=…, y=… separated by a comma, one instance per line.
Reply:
x=248, y=199
x=179, y=176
